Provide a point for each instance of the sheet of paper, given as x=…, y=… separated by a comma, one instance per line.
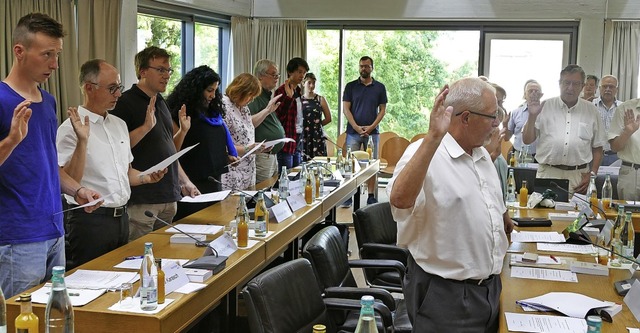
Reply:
x=89, y=279
x=167, y=161
x=251, y=243
x=78, y=297
x=521, y=322
x=247, y=154
x=88, y=204
x=537, y=236
x=543, y=274
x=252, y=234
x=136, y=263
x=566, y=248
x=268, y=144
x=207, y=197
x=136, y=307
x=204, y=229
x=190, y=287
x=570, y=304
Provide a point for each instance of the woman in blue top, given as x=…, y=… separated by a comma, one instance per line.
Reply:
x=198, y=93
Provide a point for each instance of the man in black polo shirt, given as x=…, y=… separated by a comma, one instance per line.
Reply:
x=269, y=127
x=151, y=135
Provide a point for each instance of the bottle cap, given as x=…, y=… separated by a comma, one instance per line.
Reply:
x=26, y=297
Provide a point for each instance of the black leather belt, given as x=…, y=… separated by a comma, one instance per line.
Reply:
x=481, y=282
x=570, y=167
x=633, y=165
x=109, y=211
x=609, y=152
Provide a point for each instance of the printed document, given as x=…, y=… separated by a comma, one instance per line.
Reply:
x=521, y=322
x=567, y=248
x=543, y=274
x=537, y=236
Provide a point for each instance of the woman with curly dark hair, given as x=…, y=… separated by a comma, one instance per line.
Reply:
x=198, y=93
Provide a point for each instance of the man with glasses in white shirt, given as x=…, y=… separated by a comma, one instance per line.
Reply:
x=569, y=133
x=98, y=155
x=607, y=104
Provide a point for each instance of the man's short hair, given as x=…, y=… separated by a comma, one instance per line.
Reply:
x=570, y=69
x=296, y=63
x=365, y=58
x=262, y=66
x=466, y=94
x=89, y=71
x=593, y=77
x=33, y=23
x=611, y=77
x=143, y=57
x=498, y=88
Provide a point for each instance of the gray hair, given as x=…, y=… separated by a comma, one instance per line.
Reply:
x=89, y=71
x=609, y=77
x=261, y=67
x=466, y=94
x=570, y=69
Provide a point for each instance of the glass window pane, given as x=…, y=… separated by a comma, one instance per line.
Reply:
x=165, y=33
x=323, y=59
x=206, y=46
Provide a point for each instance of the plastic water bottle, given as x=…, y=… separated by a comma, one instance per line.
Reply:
x=59, y=312
x=367, y=320
x=149, y=280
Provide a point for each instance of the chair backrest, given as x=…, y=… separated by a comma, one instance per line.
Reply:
x=374, y=224
x=328, y=256
x=382, y=139
x=418, y=137
x=505, y=147
x=393, y=149
x=284, y=300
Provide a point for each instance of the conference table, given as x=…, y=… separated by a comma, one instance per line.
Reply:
x=222, y=288
x=598, y=287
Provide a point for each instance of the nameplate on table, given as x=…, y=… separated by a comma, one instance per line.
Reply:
x=281, y=211
x=632, y=300
x=337, y=175
x=294, y=186
x=174, y=277
x=296, y=202
x=224, y=245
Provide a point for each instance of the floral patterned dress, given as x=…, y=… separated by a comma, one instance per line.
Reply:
x=313, y=136
x=241, y=175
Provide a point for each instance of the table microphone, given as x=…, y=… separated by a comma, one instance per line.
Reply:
x=250, y=198
x=198, y=242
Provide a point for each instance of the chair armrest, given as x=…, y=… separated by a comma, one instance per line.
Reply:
x=356, y=293
x=352, y=304
x=379, y=263
x=384, y=251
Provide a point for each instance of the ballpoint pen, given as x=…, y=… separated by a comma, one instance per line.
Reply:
x=554, y=258
x=133, y=257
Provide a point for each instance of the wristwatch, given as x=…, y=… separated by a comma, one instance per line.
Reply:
x=593, y=174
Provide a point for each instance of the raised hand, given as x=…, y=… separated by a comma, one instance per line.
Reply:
x=81, y=129
x=272, y=106
x=440, y=117
x=150, y=118
x=20, y=122
x=288, y=89
x=631, y=123
x=534, y=105
x=185, y=121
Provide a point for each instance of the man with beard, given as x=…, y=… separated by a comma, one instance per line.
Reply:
x=364, y=102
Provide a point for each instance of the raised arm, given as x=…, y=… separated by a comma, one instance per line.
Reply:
x=259, y=117
x=17, y=131
x=75, y=166
x=180, y=130
x=631, y=125
x=535, y=107
x=409, y=181
x=149, y=121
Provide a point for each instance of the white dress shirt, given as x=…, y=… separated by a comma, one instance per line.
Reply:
x=517, y=120
x=606, y=114
x=455, y=229
x=108, y=156
x=566, y=136
x=631, y=151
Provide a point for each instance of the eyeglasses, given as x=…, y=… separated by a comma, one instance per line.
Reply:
x=275, y=76
x=163, y=70
x=566, y=83
x=112, y=89
x=490, y=116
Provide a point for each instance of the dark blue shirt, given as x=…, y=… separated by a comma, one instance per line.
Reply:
x=29, y=178
x=364, y=102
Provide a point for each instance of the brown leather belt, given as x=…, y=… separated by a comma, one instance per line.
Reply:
x=633, y=165
x=570, y=167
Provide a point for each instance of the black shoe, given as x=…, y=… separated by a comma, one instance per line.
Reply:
x=347, y=203
x=371, y=200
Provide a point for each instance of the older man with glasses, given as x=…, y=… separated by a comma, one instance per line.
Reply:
x=607, y=104
x=98, y=155
x=569, y=133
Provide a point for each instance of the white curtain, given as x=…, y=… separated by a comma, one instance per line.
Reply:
x=63, y=83
x=621, y=56
x=255, y=39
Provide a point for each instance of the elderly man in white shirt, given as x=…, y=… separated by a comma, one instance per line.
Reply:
x=569, y=133
x=445, y=186
x=519, y=117
x=606, y=105
x=624, y=138
x=99, y=157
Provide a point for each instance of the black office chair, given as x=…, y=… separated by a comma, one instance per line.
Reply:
x=376, y=233
x=285, y=299
x=328, y=256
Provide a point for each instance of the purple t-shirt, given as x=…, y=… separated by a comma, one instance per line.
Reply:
x=29, y=178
